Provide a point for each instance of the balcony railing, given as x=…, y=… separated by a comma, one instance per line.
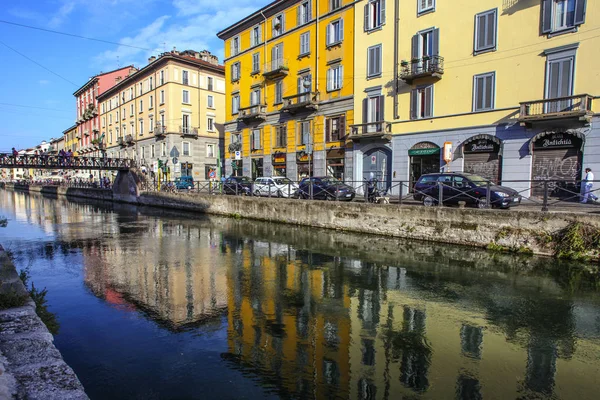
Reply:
x=256, y=112
x=427, y=66
x=375, y=130
x=129, y=139
x=276, y=69
x=160, y=130
x=301, y=102
x=570, y=107
x=120, y=141
x=188, y=131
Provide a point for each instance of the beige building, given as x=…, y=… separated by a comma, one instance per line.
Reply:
x=171, y=110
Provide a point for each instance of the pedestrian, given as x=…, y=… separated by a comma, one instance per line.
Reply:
x=586, y=186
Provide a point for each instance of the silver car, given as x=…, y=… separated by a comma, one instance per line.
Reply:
x=276, y=186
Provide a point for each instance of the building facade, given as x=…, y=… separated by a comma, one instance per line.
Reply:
x=71, y=141
x=289, y=70
x=511, y=86
x=88, y=121
x=172, y=110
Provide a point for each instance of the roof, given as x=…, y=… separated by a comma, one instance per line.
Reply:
x=164, y=57
x=223, y=34
x=95, y=77
x=70, y=129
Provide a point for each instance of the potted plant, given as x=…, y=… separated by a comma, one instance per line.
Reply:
x=415, y=60
x=426, y=58
x=404, y=63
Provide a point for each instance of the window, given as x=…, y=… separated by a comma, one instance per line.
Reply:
x=374, y=61
x=304, y=86
x=162, y=97
x=334, y=4
x=151, y=84
x=373, y=112
x=335, y=32
x=236, y=138
x=185, y=123
x=151, y=102
x=235, y=104
x=422, y=102
x=235, y=71
x=255, y=63
x=210, y=83
x=184, y=77
x=279, y=92
x=117, y=116
x=123, y=113
x=186, y=97
x=103, y=122
x=335, y=78
x=210, y=150
x=562, y=15
x=483, y=91
x=210, y=103
x=141, y=127
x=163, y=149
x=162, y=77
x=304, y=13
x=255, y=36
x=235, y=46
x=485, y=31
x=255, y=97
x=335, y=128
x=425, y=6
x=559, y=82
x=141, y=106
x=141, y=88
x=103, y=108
x=186, y=148
x=151, y=125
x=278, y=23
x=123, y=97
x=305, y=43
x=110, y=119
x=374, y=14
x=143, y=153
x=131, y=111
x=281, y=136
x=210, y=124
x=304, y=132
x=152, y=152
x=256, y=139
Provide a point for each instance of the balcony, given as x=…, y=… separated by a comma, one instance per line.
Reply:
x=188, y=131
x=120, y=141
x=129, y=139
x=276, y=69
x=424, y=67
x=566, y=109
x=370, y=130
x=236, y=146
x=301, y=102
x=160, y=130
x=253, y=113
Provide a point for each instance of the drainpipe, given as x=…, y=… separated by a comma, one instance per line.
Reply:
x=264, y=39
x=317, y=50
x=396, y=28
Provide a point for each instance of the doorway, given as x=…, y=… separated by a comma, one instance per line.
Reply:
x=377, y=164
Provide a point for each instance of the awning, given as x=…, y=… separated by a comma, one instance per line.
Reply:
x=571, y=132
x=423, y=152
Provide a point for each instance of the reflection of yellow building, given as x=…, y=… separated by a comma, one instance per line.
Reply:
x=289, y=69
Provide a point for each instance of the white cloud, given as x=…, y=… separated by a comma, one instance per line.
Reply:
x=62, y=14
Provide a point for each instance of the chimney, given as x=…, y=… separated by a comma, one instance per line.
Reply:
x=118, y=79
x=174, y=51
x=151, y=59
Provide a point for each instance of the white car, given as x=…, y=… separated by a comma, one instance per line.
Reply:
x=276, y=186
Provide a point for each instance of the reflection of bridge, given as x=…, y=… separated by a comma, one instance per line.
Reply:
x=64, y=162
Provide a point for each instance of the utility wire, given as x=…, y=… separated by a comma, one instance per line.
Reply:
x=38, y=64
x=24, y=106
x=73, y=35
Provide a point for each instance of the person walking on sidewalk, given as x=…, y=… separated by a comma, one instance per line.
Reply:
x=586, y=186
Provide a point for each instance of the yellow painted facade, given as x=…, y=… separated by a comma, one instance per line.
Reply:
x=70, y=139
x=302, y=65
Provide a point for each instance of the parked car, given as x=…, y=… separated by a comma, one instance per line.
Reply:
x=325, y=188
x=184, y=182
x=472, y=189
x=276, y=186
x=241, y=185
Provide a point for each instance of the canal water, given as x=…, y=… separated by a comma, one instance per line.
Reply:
x=164, y=305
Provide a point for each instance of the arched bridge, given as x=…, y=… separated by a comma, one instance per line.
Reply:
x=65, y=162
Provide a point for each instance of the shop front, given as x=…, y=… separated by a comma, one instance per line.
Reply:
x=236, y=168
x=257, y=167
x=557, y=157
x=335, y=163
x=424, y=159
x=304, y=164
x=278, y=161
x=482, y=155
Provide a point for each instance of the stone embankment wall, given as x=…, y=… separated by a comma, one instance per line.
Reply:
x=30, y=366
x=88, y=193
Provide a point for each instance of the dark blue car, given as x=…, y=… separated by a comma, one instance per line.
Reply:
x=325, y=188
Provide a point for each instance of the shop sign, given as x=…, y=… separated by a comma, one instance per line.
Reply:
x=279, y=158
x=481, y=146
x=424, y=149
x=448, y=151
x=302, y=157
x=557, y=141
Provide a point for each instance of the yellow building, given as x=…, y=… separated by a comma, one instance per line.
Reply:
x=171, y=110
x=481, y=76
x=289, y=71
x=71, y=141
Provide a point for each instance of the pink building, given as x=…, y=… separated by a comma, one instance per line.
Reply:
x=88, y=120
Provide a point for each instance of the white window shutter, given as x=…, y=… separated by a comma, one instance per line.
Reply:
x=328, y=34
x=341, y=29
x=329, y=71
x=231, y=53
x=341, y=77
x=367, y=16
x=382, y=12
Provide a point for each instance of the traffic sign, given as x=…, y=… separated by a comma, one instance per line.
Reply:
x=212, y=174
x=175, y=160
x=238, y=155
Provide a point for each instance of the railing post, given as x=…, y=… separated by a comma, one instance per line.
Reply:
x=310, y=188
x=440, y=194
x=269, y=189
x=545, y=201
x=400, y=193
x=487, y=195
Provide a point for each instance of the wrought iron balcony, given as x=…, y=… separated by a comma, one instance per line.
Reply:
x=120, y=141
x=427, y=66
x=276, y=69
x=236, y=146
x=578, y=108
x=301, y=102
x=160, y=130
x=188, y=131
x=371, y=130
x=253, y=113
x=129, y=139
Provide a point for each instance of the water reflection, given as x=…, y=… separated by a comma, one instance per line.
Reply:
x=315, y=314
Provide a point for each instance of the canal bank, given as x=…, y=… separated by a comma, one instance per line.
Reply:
x=524, y=230
x=30, y=365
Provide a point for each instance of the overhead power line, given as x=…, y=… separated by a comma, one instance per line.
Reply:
x=26, y=106
x=72, y=35
x=38, y=64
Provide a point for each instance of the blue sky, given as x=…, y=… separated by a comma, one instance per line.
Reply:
x=154, y=25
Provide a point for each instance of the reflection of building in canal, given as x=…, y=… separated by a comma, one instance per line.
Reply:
x=288, y=322
x=176, y=282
